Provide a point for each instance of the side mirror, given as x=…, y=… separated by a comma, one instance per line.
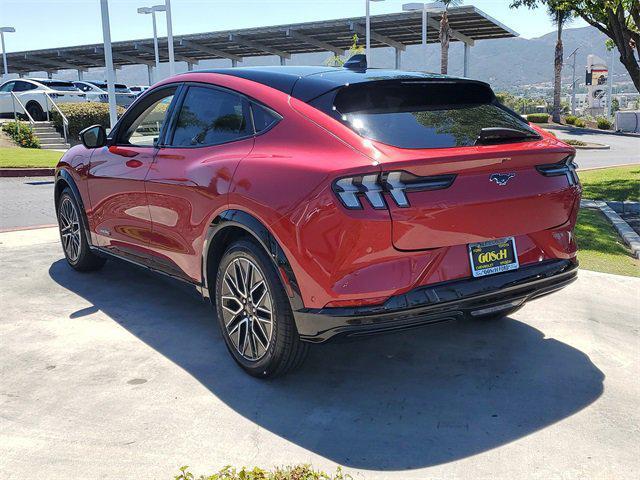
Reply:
x=94, y=136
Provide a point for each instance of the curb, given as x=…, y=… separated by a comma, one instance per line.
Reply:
x=561, y=126
x=27, y=172
x=629, y=236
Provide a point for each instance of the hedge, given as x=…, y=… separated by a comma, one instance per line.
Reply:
x=83, y=115
x=604, y=123
x=570, y=119
x=22, y=134
x=579, y=123
x=538, y=117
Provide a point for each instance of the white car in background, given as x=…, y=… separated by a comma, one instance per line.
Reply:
x=138, y=89
x=93, y=93
x=124, y=96
x=32, y=94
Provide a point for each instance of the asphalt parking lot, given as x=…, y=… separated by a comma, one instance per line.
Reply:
x=121, y=374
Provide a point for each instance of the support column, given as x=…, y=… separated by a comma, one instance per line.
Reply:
x=150, y=74
x=80, y=75
x=49, y=75
x=398, y=59
x=467, y=52
x=283, y=61
x=234, y=63
x=189, y=67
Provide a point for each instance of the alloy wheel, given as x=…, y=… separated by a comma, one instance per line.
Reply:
x=69, y=229
x=247, y=308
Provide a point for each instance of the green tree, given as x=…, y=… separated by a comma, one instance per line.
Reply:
x=617, y=19
x=445, y=34
x=354, y=49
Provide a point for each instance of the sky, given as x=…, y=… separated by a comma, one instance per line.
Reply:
x=44, y=24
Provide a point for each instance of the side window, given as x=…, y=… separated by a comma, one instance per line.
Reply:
x=142, y=127
x=263, y=118
x=7, y=87
x=209, y=117
x=23, y=86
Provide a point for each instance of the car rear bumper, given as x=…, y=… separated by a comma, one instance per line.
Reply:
x=439, y=302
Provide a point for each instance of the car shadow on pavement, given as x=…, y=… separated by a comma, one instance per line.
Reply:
x=403, y=401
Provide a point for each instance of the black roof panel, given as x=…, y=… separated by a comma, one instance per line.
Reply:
x=307, y=82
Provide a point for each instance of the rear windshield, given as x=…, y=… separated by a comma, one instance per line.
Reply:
x=424, y=114
x=58, y=85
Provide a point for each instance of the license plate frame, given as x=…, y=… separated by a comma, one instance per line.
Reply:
x=481, y=267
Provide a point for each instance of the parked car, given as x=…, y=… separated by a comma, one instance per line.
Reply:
x=138, y=89
x=310, y=203
x=124, y=96
x=31, y=93
x=93, y=93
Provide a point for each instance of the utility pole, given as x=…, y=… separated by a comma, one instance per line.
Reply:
x=573, y=83
x=610, y=82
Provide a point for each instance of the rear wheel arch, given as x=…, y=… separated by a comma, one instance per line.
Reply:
x=233, y=225
x=34, y=105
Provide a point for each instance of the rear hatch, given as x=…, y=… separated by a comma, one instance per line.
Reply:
x=456, y=166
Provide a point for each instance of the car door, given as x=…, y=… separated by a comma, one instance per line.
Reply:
x=119, y=217
x=189, y=180
x=6, y=103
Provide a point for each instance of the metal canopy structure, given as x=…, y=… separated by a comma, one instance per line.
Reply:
x=396, y=30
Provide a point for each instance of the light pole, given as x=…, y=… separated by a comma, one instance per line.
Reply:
x=108, y=62
x=368, y=30
x=426, y=8
x=4, y=30
x=152, y=11
x=610, y=82
x=573, y=84
x=172, y=66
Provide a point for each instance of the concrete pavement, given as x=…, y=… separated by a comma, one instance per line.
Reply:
x=122, y=374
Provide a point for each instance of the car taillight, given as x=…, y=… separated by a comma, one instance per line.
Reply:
x=397, y=184
x=566, y=167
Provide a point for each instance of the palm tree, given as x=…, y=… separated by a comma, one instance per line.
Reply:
x=560, y=17
x=445, y=34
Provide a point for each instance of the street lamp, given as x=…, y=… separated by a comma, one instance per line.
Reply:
x=368, y=29
x=426, y=8
x=152, y=11
x=108, y=62
x=4, y=30
x=172, y=66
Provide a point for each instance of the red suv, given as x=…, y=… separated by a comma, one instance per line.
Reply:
x=311, y=202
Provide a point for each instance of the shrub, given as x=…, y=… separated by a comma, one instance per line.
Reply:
x=570, y=119
x=22, y=134
x=300, y=472
x=604, y=123
x=538, y=117
x=83, y=115
x=579, y=123
x=575, y=143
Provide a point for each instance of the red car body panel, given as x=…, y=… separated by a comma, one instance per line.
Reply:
x=161, y=202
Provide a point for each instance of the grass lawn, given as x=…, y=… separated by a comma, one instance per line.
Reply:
x=15, y=157
x=617, y=184
x=599, y=247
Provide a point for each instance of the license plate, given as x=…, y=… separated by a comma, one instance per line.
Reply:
x=493, y=256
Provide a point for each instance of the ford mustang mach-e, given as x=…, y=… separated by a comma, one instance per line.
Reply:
x=309, y=202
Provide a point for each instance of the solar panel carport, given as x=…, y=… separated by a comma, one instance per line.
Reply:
x=396, y=30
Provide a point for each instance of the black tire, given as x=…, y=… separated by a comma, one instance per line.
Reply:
x=36, y=112
x=73, y=235
x=283, y=351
